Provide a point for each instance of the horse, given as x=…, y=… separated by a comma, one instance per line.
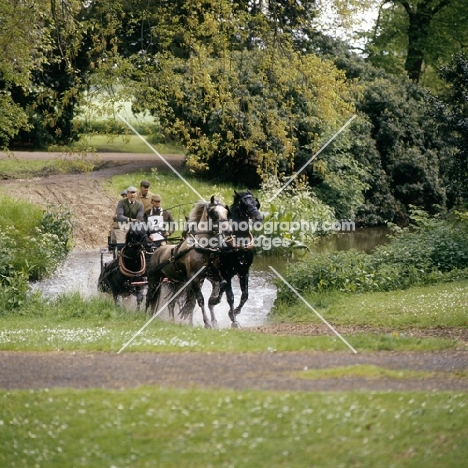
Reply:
x=126, y=274
x=238, y=258
x=208, y=223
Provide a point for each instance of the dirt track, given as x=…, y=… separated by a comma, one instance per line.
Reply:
x=93, y=206
x=259, y=371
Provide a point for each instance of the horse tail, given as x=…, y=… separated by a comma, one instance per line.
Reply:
x=190, y=299
x=152, y=295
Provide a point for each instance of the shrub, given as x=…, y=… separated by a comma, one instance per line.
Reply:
x=295, y=203
x=431, y=250
x=32, y=245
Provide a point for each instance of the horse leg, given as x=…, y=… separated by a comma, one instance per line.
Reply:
x=169, y=286
x=230, y=299
x=117, y=300
x=244, y=285
x=139, y=297
x=152, y=296
x=201, y=302
x=215, y=299
x=187, y=303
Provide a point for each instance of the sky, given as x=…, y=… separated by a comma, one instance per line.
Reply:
x=329, y=24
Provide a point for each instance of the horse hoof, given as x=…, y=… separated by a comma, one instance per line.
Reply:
x=235, y=324
x=215, y=325
x=207, y=325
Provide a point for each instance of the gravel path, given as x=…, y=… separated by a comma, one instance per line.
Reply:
x=260, y=371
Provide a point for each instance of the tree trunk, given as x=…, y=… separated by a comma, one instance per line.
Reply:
x=419, y=21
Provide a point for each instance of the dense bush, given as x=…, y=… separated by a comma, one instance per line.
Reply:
x=32, y=244
x=295, y=203
x=431, y=250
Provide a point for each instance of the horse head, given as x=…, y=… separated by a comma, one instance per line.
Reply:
x=209, y=219
x=247, y=206
x=137, y=235
x=218, y=215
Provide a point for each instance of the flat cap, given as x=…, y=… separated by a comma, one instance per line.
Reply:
x=145, y=183
x=123, y=192
x=156, y=197
x=132, y=189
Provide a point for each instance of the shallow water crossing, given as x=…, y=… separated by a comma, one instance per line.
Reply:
x=80, y=272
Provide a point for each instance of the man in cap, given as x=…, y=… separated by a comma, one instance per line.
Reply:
x=162, y=220
x=123, y=193
x=144, y=195
x=130, y=209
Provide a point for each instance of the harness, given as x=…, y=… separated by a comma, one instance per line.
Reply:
x=175, y=255
x=130, y=273
x=237, y=244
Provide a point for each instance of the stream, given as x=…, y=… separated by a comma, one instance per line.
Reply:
x=80, y=272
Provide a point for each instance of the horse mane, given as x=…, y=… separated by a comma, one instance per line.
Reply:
x=198, y=209
x=239, y=195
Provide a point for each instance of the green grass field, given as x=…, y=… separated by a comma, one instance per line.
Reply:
x=126, y=144
x=438, y=305
x=151, y=427
x=72, y=323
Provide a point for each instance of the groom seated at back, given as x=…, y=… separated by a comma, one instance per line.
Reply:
x=161, y=221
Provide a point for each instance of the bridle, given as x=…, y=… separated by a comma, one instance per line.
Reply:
x=216, y=224
x=247, y=211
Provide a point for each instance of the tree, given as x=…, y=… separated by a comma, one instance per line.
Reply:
x=452, y=112
x=418, y=34
x=48, y=51
x=23, y=50
x=397, y=138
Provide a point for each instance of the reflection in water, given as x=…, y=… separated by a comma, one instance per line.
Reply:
x=364, y=239
x=80, y=272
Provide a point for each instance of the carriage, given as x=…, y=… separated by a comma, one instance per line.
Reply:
x=137, y=263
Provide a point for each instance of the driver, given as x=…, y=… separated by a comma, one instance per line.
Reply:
x=161, y=221
x=130, y=209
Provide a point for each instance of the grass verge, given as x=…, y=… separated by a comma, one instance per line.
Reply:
x=72, y=323
x=438, y=305
x=149, y=427
x=127, y=144
x=371, y=372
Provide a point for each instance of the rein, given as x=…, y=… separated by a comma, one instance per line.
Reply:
x=242, y=245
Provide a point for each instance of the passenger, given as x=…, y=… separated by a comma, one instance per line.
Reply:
x=162, y=221
x=123, y=193
x=130, y=209
x=144, y=195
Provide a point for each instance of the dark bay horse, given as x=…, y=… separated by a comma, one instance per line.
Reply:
x=126, y=274
x=208, y=223
x=237, y=259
